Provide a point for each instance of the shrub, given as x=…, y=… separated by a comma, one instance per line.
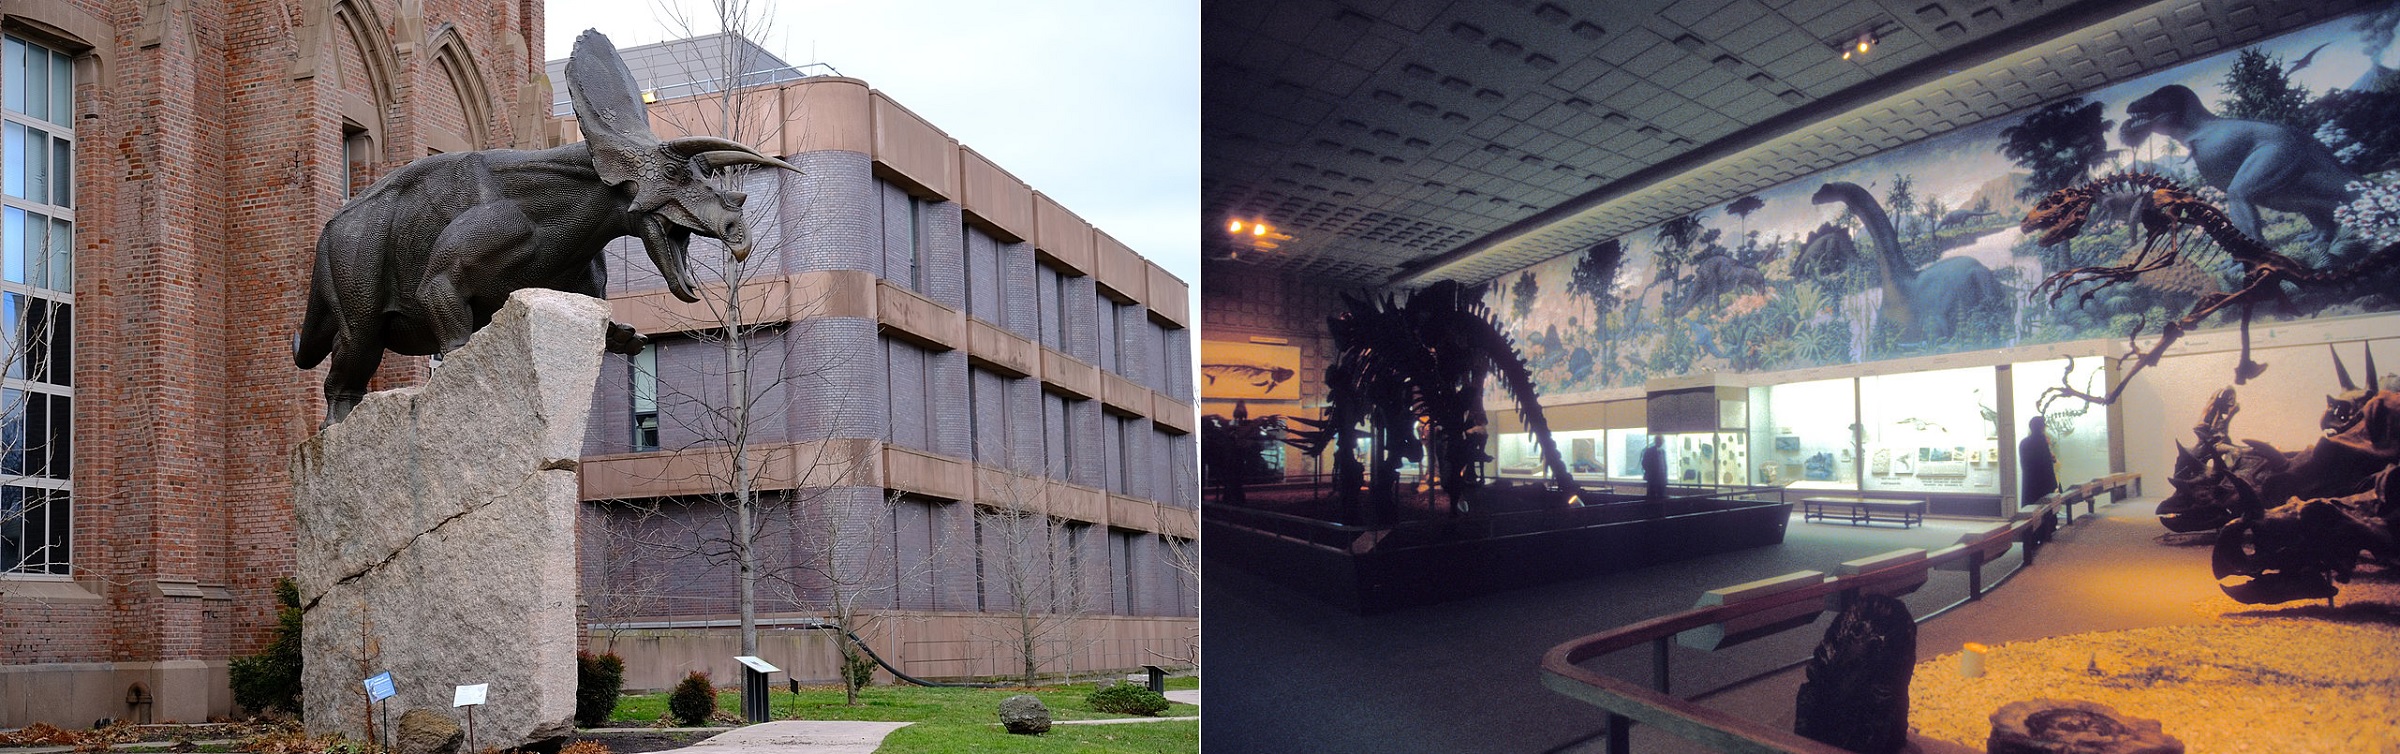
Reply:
x=270, y=680
x=586, y=747
x=598, y=680
x=693, y=700
x=1127, y=699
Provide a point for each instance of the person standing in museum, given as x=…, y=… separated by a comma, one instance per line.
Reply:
x=1654, y=468
x=2037, y=475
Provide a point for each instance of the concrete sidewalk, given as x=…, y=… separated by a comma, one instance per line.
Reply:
x=809, y=736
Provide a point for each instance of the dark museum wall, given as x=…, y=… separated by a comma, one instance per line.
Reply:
x=1247, y=309
x=1806, y=274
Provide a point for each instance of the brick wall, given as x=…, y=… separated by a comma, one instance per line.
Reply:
x=209, y=154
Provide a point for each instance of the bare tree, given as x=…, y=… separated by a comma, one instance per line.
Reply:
x=1037, y=590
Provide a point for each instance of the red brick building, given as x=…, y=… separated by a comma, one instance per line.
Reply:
x=169, y=165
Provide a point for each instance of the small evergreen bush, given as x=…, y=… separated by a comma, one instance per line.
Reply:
x=1127, y=699
x=693, y=700
x=599, y=678
x=269, y=682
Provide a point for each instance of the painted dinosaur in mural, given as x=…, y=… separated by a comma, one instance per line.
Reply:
x=1826, y=250
x=1714, y=275
x=1926, y=304
x=2257, y=164
x=1412, y=373
x=424, y=257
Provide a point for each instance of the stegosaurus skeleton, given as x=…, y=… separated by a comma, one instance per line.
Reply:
x=2172, y=210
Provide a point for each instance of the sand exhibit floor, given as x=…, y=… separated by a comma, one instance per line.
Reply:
x=2297, y=677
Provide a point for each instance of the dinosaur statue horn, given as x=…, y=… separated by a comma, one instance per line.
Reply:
x=719, y=159
x=2374, y=378
x=2341, y=370
x=718, y=152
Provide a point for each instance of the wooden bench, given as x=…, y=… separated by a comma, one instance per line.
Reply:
x=1862, y=510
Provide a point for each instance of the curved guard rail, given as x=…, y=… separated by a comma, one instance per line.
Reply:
x=1629, y=702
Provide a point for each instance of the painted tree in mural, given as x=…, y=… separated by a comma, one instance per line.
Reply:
x=2258, y=88
x=1595, y=276
x=1525, y=289
x=2059, y=143
x=1413, y=374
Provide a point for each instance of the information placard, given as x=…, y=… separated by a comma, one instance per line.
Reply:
x=380, y=687
x=757, y=664
x=469, y=695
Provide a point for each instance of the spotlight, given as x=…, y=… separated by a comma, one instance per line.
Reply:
x=1859, y=45
x=1234, y=227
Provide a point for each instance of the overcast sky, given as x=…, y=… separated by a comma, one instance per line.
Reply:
x=1093, y=102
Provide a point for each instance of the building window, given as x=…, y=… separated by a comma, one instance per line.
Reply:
x=37, y=305
x=645, y=398
x=358, y=159
x=916, y=244
x=1110, y=322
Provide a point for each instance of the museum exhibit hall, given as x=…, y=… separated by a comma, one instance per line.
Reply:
x=1801, y=375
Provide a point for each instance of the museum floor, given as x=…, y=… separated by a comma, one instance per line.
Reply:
x=1461, y=676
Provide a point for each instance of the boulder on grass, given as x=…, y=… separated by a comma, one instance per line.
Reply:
x=423, y=731
x=1024, y=714
x=2059, y=726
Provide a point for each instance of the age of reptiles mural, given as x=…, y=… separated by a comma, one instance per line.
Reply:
x=1923, y=304
x=429, y=253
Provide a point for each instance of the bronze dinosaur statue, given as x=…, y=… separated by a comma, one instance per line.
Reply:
x=1924, y=304
x=428, y=254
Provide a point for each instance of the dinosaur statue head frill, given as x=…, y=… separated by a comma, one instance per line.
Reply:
x=675, y=181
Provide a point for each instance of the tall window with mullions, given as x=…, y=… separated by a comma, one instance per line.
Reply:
x=37, y=303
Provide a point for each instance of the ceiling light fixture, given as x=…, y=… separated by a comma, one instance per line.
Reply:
x=1860, y=45
x=1254, y=233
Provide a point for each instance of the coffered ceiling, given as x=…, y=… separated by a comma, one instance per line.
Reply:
x=1405, y=141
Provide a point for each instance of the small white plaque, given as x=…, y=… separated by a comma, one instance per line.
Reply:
x=469, y=695
x=757, y=664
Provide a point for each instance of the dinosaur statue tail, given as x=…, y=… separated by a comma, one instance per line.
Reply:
x=320, y=325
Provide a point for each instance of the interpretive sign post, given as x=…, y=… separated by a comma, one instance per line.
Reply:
x=380, y=688
x=754, y=687
x=470, y=696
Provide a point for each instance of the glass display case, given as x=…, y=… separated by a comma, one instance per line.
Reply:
x=1627, y=445
x=2078, y=429
x=1708, y=458
x=1584, y=450
x=1932, y=431
x=1804, y=436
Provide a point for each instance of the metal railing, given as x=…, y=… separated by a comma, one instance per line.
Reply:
x=1628, y=702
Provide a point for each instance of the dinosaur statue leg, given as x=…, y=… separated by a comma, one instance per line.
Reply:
x=486, y=251
x=592, y=280
x=355, y=358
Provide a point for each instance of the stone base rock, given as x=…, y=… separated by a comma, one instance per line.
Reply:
x=424, y=731
x=2058, y=726
x=1856, y=695
x=1024, y=714
x=437, y=531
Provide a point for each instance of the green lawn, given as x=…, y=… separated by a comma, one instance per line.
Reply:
x=1182, y=737
x=897, y=704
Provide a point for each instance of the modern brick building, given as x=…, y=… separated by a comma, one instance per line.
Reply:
x=931, y=338
x=168, y=167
